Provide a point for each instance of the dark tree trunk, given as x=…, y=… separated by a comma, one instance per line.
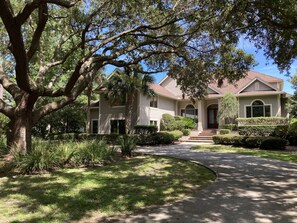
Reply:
x=19, y=135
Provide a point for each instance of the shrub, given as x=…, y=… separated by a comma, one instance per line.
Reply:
x=224, y=131
x=254, y=142
x=229, y=139
x=40, y=158
x=127, y=145
x=274, y=143
x=231, y=127
x=3, y=147
x=292, y=133
x=263, y=130
x=167, y=123
x=176, y=134
x=170, y=123
x=188, y=123
x=163, y=138
x=262, y=121
x=186, y=132
x=145, y=129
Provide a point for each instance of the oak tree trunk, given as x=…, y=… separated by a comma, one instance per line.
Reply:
x=19, y=136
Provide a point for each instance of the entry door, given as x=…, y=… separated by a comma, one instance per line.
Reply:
x=212, y=117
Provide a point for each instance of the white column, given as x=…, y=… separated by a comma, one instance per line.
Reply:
x=221, y=122
x=200, y=116
x=279, y=107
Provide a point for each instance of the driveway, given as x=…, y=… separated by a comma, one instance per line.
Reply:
x=247, y=189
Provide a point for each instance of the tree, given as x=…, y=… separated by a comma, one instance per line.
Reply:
x=228, y=108
x=55, y=48
x=291, y=105
x=126, y=86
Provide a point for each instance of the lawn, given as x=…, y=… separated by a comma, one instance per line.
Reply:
x=121, y=188
x=278, y=155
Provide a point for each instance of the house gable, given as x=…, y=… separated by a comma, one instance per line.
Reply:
x=257, y=85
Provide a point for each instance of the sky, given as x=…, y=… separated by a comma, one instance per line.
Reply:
x=264, y=66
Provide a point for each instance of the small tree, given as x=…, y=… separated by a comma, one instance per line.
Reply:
x=228, y=108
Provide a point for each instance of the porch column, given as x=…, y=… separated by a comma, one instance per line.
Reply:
x=221, y=122
x=200, y=116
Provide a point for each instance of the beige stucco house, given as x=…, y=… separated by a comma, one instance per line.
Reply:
x=258, y=95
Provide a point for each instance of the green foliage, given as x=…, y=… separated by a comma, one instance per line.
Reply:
x=3, y=147
x=46, y=156
x=264, y=130
x=224, y=131
x=176, y=134
x=3, y=124
x=228, y=107
x=145, y=129
x=274, y=144
x=263, y=121
x=231, y=127
x=170, y=123
x=250, y=142
x=127, y=145
x=229, y=139
x=186, y=132
x=292, y=133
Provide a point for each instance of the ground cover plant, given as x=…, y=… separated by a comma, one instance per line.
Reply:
x=82, y=193
x=278, y=155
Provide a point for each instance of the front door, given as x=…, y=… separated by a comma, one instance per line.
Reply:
x=212, y=117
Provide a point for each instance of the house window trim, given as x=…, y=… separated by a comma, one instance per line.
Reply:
x=92, y=126
x=157, y=99
x=184, y=108
x=154, y=120
x=251, y=104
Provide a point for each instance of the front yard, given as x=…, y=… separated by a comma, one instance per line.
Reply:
x=86, y=194
x=278, y=155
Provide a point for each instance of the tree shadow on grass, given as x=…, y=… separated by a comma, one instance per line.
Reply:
x=125, y=188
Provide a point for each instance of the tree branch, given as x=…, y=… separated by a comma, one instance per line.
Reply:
x=6, y=109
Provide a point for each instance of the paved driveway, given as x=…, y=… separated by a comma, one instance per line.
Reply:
x=248, y=189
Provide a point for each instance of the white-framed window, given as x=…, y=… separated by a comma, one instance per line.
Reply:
x=154, y=101
x=190, y=111
x=258, y=109
x=94, y=126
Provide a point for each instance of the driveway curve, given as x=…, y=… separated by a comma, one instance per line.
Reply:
x=248, y=189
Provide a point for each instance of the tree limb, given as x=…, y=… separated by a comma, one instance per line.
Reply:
x=6, y=109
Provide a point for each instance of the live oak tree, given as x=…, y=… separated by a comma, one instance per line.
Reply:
x=54, y=48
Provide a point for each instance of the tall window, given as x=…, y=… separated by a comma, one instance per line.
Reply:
x=154, y=102
x=95, y=126
x=190, y=112
x=117, y=126
x=258, y=109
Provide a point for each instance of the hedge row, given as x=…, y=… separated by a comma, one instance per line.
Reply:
x=145, y=129
x=264, y=130
x=263, y=121
x=140, y=139
x=268, y=143
x=231, y=127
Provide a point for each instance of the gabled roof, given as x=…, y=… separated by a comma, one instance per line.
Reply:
x=158, y=89
x=253, y=81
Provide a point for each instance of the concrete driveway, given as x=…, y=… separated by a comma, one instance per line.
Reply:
x=248, y=189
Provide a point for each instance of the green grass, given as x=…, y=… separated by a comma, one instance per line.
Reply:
x=278, y=155
x=82, y=193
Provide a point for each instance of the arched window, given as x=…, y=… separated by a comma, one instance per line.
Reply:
x=189, y=112
x=258, y=109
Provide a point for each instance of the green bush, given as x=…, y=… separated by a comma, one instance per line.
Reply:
x=292, y=133
x=3, y=124
x=263, y=130
x=186, y=132
x=274, y=144
x=3, y=148
x=40, y=158
x=127, y=145
x=263, y=121
x=170, y=123
x=231, y=127
x=224, y=131
x=145, y=129
x=229, y=139
x=163, y=138
x=254, y=142
x=176, y=134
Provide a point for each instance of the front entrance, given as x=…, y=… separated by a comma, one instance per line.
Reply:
x=212, y=117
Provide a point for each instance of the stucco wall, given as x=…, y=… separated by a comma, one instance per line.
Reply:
x=270, y=99
x=108, y=112
x=170, y=85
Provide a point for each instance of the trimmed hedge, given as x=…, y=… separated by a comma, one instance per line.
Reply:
x=251, y=142
x=231, y=127
x=264, y=130
x=292, y=133
x=176, y=133
x=145, y=129
x=170, y=123
x=186, y=132
x=224, y=131
x=141, y=139
x=263, y=121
